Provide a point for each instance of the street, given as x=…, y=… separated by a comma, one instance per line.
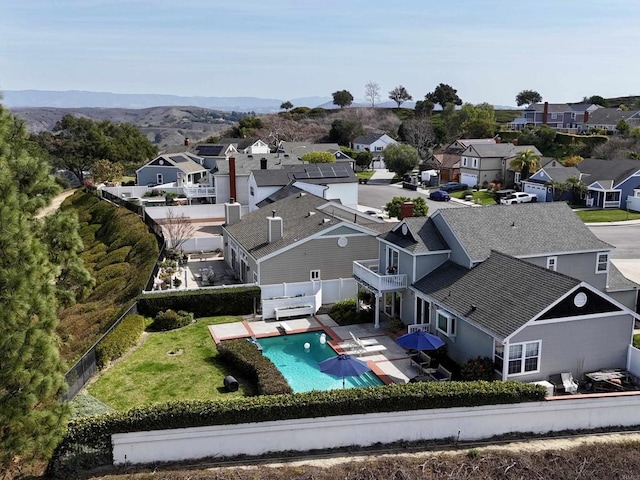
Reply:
x=624, y=237
x=378, y=195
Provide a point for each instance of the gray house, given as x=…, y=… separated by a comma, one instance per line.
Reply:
x=538, y=183
x=609, y=182
x=172, y=168
x=608, y=119
x=431, y=272
x=560, y=116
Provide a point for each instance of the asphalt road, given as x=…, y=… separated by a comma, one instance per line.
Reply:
x=626, y=239
x=378, y=195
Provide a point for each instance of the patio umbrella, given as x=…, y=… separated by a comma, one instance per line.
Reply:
x=344, y=366
x=420, y=340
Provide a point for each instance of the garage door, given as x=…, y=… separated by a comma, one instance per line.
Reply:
x=469, y=179
x=539, y=191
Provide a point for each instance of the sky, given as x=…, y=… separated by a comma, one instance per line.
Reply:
x=489, y=50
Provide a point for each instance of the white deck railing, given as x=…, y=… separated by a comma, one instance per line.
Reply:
x=199, y=191
x=425, y=327
x=382, y=283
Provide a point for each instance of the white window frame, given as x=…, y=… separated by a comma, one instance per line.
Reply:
x=497, y=349
x=314, y=275
x=451, y=323
x=474, y=163
x=255, y=277
x=251, y=192
x=464, y=161
x=552, y=263
x=159, y=179
x=516, y=177
x=523, y=358
x=602, y=262
x=392, y=254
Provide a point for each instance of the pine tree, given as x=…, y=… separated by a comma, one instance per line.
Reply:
x=31, y=370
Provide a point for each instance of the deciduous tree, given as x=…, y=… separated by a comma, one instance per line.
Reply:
x=400, y=95
x=400, y=158
x=423, y=108
x=598, y=100
x=372, y=93
x=106, y=171
x=178, y=229
x=420, y=207
x=363, y=159
x=318, y=157
x=344, y=130
x=286, y=105
x=528, y=97
x=444, y=94
x=342, y=98
x=419, y=134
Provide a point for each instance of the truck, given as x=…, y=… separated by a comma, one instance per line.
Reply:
x=518, y=197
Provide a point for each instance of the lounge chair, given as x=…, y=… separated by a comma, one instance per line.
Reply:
x=569, y=384
x=361, y=347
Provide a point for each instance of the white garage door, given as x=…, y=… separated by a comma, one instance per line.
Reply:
x=468, y=179
x=539, y=191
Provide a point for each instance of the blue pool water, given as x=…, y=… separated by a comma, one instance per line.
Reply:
x=300, y=366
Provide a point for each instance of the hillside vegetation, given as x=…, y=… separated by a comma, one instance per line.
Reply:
x=120, y=253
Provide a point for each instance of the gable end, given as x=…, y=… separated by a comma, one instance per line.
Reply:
x=570, y=306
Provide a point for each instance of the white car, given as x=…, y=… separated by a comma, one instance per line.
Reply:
x=518, y=197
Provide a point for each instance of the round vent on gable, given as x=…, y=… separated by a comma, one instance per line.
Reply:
x=342, y=241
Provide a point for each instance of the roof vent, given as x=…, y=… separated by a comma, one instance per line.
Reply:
x=310, y=213
x=301, y=194
x=325, y=220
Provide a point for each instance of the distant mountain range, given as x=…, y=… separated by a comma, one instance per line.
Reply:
x=83, y=99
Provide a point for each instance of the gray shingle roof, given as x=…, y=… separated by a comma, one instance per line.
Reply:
x=301, y=148
x=317, y=173
x=560, y=174
x=424, y=236
x=617, y=281
x=608, y=116
x=367, y=139
x=251, y=230
x=600, y=170
x=552, y=107
x=500, y=150
x=503, y=301
x=186, y=162
x=521, y=230
x=245, y=162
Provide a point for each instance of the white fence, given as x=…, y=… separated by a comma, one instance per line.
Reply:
x=469, y=423
x=205, y=244
x=193, y=212
x=425, y=327
x=633, y=203
x=633, y=361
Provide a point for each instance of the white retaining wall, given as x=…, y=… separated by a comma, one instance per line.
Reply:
x=312, y=433
x=633, y=361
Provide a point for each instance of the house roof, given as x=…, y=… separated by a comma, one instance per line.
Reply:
x=423, y=236
x=448, y=160
x=186, y=162
x=616, y=281
x=368, y=139
x=239, y=143
x=211, y=149
x=305, y=147
x=525, y=229
x=284, y=192
x=246, y=162
x=492, y=295
x=500, y=150
x=607, y=171
x=251, y=230
x=609, y=116
x=551, y=108
x=557, y=174
x=315, y=173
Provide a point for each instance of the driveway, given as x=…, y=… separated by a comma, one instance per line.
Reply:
x=378, y=195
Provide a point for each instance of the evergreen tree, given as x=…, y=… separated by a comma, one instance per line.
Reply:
x=31, y=373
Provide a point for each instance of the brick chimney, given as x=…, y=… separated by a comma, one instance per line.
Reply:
x=232, y=177
x=406, y=210
x=231, y=212
x=263, y=164
x=545, y=113
x=586, y=116
x=275, y=229
x=186, y=141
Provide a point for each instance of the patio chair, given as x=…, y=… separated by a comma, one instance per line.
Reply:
x=569, y=384
x=361, y=347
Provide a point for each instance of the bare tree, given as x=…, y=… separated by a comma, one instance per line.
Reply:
x=178, y=229
x=372, y=93
x=419, y=133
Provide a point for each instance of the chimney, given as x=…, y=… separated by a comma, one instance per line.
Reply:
x=515, y=142
x=586, y=116
x=545, y=112
x=406, y=210
x=232, y=177
x=263, y=164
x=231, y=212
x=274, y=228
x=186, y=141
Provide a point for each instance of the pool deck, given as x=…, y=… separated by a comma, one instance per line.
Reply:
x=386, y=359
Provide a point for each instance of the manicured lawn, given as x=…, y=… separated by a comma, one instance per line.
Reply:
x=608, y=215
x=366, y=174
x=485, y=197
x=149, y=375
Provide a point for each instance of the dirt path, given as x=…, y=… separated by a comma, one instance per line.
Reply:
x=55, y=203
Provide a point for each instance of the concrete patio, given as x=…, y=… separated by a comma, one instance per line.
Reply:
x=385, y=358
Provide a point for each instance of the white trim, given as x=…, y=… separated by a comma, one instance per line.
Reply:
x=451, y=322
x=551, y=254
x=552, y=263
x=523, y=358
x=598, y=262
x=413, y=254
x=453, y=234
x=314, y=275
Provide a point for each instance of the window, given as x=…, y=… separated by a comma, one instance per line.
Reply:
x=516, y=177
x=552, y=263
x=464, y=161
x=255, y=277
x=554, y=116
x=602, y=263
x=159, y=179
x=524, y=358
x=315, y=275
x=474, y=163
x=446, y=324
x=379, y=149
x=251, y=191
x=498, y=356
x=392, y=261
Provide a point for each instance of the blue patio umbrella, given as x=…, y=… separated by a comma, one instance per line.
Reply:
x=344, y=366
x=420, y=340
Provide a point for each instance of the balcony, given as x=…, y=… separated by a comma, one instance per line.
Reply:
x=365, y=272
x=198, y=191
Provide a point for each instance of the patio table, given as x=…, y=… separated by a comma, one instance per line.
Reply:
x=609, y=379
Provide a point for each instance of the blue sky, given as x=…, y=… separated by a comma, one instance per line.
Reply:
x=488, y=49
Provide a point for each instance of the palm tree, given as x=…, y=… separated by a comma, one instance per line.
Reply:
x=527, y=161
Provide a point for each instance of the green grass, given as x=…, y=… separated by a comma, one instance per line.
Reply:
x=367, y=174
x=485, y=196
x=149, y=375
x=636, y=340
x=607, y=215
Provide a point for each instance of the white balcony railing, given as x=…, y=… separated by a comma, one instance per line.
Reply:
x=612, y=203
x=366, y=272
x=425, y=327
x=199, y=191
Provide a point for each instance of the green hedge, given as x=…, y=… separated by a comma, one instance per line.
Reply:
x=243, y=356
x=170, y=320
x=203, y=303
x=94, y=434
x=123, y=337
x=344, y=313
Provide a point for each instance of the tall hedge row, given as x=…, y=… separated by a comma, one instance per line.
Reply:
x=123, y=337
x=203, y=303
x=93, y=434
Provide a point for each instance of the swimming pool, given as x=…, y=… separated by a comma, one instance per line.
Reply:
x=299, y=365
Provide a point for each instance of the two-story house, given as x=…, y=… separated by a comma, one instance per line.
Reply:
x=561, y=116
x=483, y=163
x=496, y=281
x=608, y=119
x=449, y=158
x=375, y=143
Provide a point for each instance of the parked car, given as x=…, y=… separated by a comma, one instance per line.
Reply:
x=500, y=194
x=519, y=197
x=440, y=196
x=453, y=186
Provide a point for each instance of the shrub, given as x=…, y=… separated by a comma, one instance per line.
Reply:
x=478, y=368
x=111, y=271
x=170, y=320
x=115, y=256
x=396, y=325
x=108, y=289
x=344, y=313
x=243, y=356
x=122, y=338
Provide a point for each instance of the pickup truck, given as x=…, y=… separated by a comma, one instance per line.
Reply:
x=518, y=197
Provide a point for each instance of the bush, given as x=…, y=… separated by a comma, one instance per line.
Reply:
x=344, y=313
x=243, y=356
x=115, y=256
x=122, y=338
x=396, y=325
x=478, y=368
x=170, y=320
x=111, y=271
